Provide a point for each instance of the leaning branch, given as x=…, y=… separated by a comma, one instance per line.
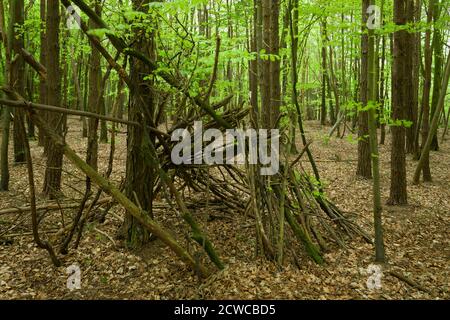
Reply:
x=34, y=219
x=38, y=67
x=434, y=123
x=27, y=104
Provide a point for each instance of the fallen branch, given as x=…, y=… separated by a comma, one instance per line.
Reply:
x=411, y=282
x=107, y=236
x=48, y=207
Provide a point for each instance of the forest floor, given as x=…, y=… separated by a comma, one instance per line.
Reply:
x=417, y=239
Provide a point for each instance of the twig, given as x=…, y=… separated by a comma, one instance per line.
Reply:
x=48, y=207
x=107, y=236
x=214, y=74
x=411, y=282
x=40, y=243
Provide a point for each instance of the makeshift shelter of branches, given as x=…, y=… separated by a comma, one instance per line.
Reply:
x=291, y=197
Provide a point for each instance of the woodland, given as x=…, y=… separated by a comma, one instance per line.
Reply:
x=355, y=97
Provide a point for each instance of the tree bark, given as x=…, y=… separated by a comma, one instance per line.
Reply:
x=375, y=157
x=53, y=170
x=6, y=118
x=426, y=92
x=437, y=46
x=266, y=93
x=94, y=99
x=364, y=168
x=412, y=107
x=43, y=61
x=140, y=177
x=17, y=77
x=400, y=79
x=275, y=68
x=323, y=107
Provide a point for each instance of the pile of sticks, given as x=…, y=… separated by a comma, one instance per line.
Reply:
x=292, y=196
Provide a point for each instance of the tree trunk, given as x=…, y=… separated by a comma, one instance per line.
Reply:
x=6, y=119
x=43, y=61
x=437, y=46
x=253, y=65
x=364, y=168
x=266, y=76
x=412, y=108
x=323, y=107
x=53, y=170
x=400, y=79
x=140, y=177
x=372, y=121
x=435, y=121
x=86, y=97
x=426, y=91
x=17, y=78
x=94, y=98
x=416, y=79
x=275, y=69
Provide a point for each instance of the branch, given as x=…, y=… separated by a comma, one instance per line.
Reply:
x=27, y=104
x=411, y=282
x=48, y=207
x=34, y=220
x=214, y=75
x=39, y=68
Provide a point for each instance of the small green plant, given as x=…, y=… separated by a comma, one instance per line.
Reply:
x=326, y=139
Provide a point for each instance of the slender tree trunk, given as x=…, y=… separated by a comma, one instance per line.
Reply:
x=412, y=107
x=437, y=46
x=416, y=79
x=266, y=81
x=53, y=171
x=86, y=98
x=426, y=92
x=372, y=96
x=260, y=61
x=94, y=100
x=253, y=65
x=79, y=102
x=275, y=68
x=104, y=112
x=382, y=93
x=6, y=119
x=323, y=107
x=43, y=61
x=292, y=114
x=435, y=121
x=400, y=79
x=364, y=168
x=6, y=122
x=334, y=86
x=17, y=78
